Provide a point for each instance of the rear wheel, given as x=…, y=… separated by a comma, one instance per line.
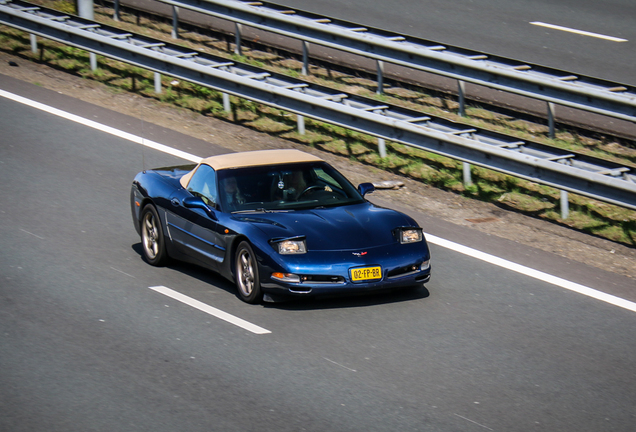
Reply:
x=152, y=239
x=246, y=273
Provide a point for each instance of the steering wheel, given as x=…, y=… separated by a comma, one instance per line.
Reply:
x=310, y=188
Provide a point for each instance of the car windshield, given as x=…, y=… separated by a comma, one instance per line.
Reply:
x=284, y=187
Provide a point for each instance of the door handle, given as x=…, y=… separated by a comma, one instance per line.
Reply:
x=175, y=202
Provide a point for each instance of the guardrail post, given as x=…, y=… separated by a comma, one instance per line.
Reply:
x=461, y=90
x=382, y=147
x=468, y=179
x=300, y=121
x=157, y=82
x=226, y=103
x=305, y=70
x=116, y=10
x=565, y=205
x=175, y=22
x=551, y=112
x=237, y=38
x=380, y=67
x=85, y=9
x=34, y=43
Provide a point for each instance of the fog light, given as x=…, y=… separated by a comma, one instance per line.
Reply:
x=425, y=265
x=286, y=277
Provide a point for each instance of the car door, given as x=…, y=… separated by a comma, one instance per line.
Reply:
x=194, y=230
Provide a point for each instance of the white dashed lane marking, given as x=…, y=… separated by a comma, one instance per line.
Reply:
x=210, y=310
x=579, y=32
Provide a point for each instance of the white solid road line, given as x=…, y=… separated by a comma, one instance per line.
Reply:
x=210, y=310
x=572, y=286
x=536, y=274
x=579, y=32
x=93, y=124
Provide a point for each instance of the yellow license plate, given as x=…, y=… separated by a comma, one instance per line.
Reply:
x=366, y=273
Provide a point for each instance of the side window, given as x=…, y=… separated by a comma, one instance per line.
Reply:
x=203, y=184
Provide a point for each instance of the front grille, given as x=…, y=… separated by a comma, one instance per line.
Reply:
x=322, y=279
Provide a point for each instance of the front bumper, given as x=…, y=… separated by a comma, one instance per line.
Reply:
x=329, y=273
x=305, y=289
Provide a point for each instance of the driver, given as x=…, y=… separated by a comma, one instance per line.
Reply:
x=297, y=184
x=233, y=196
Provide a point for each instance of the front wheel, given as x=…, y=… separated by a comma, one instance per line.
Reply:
x=152, y=239
x=246, y=274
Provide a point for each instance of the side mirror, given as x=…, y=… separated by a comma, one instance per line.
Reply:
x=365, y=188
x=197, y=202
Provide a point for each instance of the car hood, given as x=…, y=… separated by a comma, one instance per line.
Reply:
x=334, y=228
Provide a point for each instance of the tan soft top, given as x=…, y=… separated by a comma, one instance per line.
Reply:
x=251, y=158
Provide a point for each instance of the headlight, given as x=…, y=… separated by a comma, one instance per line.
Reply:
x=410, y=235
x=289, y=247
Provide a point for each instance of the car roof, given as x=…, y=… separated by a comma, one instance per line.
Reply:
x=258, y=158
x=252, y=158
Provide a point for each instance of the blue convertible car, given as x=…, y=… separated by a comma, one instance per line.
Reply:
x=277, y=222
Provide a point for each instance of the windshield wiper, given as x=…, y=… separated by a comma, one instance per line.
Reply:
x=258, y=210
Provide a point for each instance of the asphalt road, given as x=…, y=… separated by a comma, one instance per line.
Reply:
x=86, y=345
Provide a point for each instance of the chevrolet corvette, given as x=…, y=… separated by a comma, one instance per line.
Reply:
x=277, y=223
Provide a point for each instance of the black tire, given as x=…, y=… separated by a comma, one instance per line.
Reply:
x=246, y=274
x=153, y=242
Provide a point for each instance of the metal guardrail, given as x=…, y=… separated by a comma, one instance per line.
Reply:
x=595, y=178
x=535, y=81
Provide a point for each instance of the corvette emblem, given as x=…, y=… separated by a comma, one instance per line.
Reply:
x=359, y=253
